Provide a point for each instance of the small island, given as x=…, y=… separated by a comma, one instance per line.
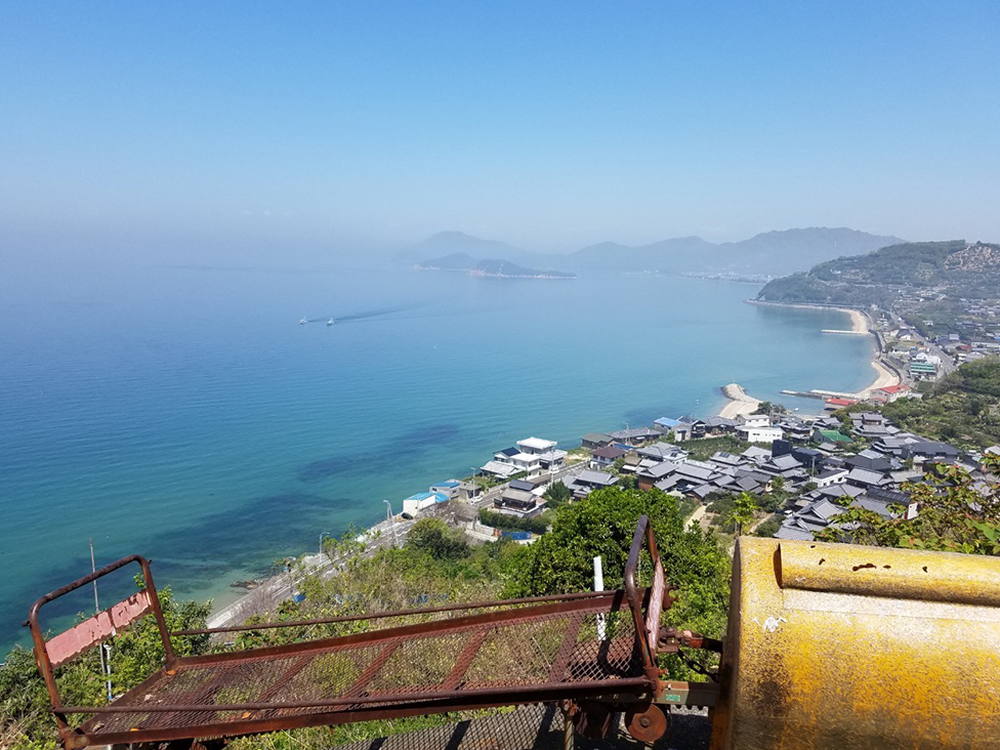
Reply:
x=489, y=268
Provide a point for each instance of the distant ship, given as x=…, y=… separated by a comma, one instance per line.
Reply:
x=303, y=321
x=330, y=322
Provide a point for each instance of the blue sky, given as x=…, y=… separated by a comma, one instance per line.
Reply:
x=550, y=125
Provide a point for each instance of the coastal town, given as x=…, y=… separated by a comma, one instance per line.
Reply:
x=801, y=470
x=813, y=467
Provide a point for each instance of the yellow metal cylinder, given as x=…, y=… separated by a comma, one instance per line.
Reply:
x=840, y=646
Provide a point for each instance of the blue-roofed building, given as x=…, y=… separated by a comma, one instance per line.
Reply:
x=666, y=423
x=448, y=487
x=421, y=500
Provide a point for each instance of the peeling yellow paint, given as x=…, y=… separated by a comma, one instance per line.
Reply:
x=841, y=646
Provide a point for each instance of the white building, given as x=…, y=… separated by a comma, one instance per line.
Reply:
x=832, y=476
x=536, y=446
x=529, y=462
x=762, y=434
x=416, y=503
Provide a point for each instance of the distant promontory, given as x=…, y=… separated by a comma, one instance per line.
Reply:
x=489, y=267
x=759, y=258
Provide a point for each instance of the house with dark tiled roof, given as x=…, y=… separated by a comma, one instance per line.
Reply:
x=648, y=476
x=605, y=456
x=595, y=440
x=635, y=435
x=662, y=452
x=866, y=478
x=871, y=460
x=586, y=481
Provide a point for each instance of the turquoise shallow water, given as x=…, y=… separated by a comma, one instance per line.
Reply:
x=182, y=413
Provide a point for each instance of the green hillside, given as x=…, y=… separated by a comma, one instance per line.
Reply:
x=952, y=268
x=963, y=408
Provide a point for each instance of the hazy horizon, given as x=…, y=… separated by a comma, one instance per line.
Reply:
x=226, y=132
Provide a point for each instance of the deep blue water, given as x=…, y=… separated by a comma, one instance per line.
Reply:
x=183, y=414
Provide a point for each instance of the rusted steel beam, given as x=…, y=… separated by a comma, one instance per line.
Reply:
x=565, y=652
x=508, y=690
x=394, y=613
x=643, y=534
x=46, y=665
x=369, y=672
x=469, y=651
x=106, y=623
x=464, y=700
x=681, y=693
x=601, y=603
x=297, y=666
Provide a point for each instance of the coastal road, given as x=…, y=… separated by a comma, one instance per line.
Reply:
x=278, y=588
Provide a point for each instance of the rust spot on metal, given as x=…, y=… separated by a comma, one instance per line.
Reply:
x=865, y=656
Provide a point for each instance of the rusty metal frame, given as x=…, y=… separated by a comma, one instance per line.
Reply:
x=45, y=666
x=355, y=703
x=391, y=614
x=646, y=623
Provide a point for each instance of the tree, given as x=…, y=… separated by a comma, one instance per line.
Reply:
x=535, y=524
x=769, y=527
x=433, y=536
x=557, y=494
x=769, y=407
x=25, y=718
x=953, y=514
x=603, y=524
x=743, y=511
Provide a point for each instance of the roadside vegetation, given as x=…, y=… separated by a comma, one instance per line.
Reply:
x=702, y=448
x=962, y=408
x=954, y=516
x=25, y=719
x=436, y=566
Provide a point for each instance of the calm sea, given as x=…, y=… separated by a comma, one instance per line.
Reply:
x=182, y=413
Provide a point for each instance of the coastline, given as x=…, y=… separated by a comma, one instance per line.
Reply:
x=861, y=324
x=740, y=402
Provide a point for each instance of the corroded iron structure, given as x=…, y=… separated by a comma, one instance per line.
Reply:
x=828, y=646
x=595, y=651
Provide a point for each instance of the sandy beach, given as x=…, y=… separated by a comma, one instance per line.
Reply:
x=884, y=379
x=740, y=402
x=859, y=321
x=860, y=324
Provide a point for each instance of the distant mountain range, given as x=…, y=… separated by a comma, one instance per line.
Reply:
x=954, y=268
x=767, y=254
x=501, y=269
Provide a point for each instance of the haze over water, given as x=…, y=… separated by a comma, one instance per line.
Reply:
x=183, y=414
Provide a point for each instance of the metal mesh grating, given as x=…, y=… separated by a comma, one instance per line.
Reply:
x=573, y=642
x=535, y=727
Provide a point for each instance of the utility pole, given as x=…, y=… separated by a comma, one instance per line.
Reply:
x=599, y=586
x=104, y=649
x=322, y=536
x=388, y=518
